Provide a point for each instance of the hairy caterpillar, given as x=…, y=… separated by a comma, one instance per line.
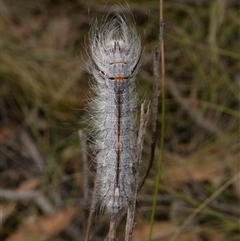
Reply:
x=115, y=52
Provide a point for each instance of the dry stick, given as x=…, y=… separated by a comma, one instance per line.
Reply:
x=112, y=228
x=92, y=209
x=155, y=101
x=159, y=56
x=118, y=221
x=132, y=205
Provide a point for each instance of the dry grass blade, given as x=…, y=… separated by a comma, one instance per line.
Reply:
x=204, y=204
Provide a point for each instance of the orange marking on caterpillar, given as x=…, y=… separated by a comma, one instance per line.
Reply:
x=119, y=78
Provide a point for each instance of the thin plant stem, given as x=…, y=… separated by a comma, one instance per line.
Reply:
x=131, y=209
x=159, y=54
x=92, y=209
x=112, y=228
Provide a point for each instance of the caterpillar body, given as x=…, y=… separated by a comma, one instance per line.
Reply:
x=115, y=51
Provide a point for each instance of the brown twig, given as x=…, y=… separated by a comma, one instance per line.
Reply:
x=155, y=101
x=132, y=205
x=118, y=221
x=112, y=228
x=92, y=210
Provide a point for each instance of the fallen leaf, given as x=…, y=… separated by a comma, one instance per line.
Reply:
x=28, y=185
x=45, y=226
x=5, y=211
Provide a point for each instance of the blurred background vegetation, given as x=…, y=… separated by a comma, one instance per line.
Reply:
x=44, y=87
